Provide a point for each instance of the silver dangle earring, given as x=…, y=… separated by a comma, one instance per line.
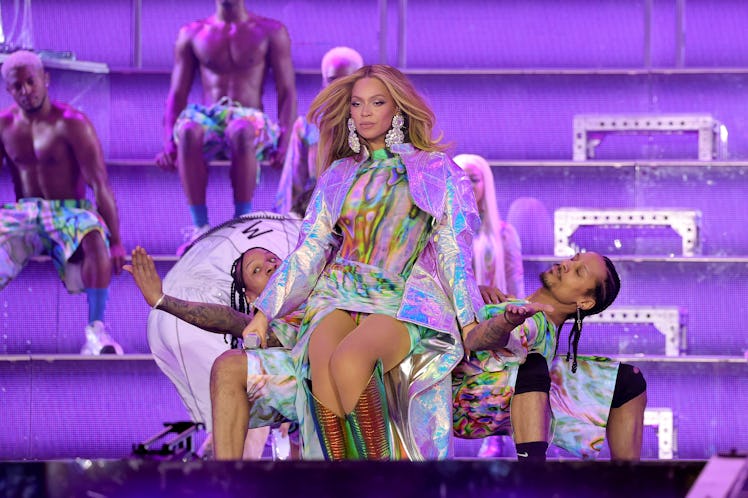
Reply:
x=395, y=134
x=353, y=141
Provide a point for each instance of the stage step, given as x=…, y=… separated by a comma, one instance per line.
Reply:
x=519, y=134
x=66, y=406
x=152, y=206
x=591, y=129
x=39, y=316
x=517, y=137
x=147, y=196
x=670, y=321
x=685, y=222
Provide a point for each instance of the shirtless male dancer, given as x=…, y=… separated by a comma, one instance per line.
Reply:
x=232, y=51
x=53, y=153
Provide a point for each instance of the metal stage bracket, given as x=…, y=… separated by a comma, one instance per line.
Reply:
x=684, y=221
x=670, y=321
x=181, y=445
x=667, y=441
x=591, y=129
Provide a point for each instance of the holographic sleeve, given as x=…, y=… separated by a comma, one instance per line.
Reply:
x=291, y=284
x=453, y=239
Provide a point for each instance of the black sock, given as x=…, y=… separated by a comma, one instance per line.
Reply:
x=531, y=452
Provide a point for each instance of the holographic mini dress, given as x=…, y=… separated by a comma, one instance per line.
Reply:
x=392, y=236
x=382, y=233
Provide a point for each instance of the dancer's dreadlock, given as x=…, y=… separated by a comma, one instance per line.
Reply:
x=604, y=293
x=238, y=298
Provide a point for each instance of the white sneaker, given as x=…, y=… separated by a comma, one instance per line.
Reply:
x=191, y=234
x=98, y=341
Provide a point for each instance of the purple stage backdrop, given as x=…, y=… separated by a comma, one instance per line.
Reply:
x=505, y=79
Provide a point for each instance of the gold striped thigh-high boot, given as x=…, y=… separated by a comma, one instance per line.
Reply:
x=330, y=428
x=369, y=420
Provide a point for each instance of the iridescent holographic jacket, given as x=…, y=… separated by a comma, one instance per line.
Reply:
x=440, y=293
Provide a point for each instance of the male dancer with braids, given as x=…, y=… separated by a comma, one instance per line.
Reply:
x=53, y=153
x=482, y=389
x=228, y=266
x=507, y=371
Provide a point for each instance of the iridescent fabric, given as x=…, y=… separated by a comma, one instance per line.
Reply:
x=379, y=223
x=481, y=403
x=35, y=226
x=580, y=402
x=360, y=289
x=299, y=170
x=216, y=118
x=439, y=288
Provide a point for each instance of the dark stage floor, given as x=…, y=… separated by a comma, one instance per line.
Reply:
x=448, y=479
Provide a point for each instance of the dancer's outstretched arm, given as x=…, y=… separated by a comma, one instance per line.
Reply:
x=212, y=317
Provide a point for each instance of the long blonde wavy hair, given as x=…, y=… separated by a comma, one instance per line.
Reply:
x=331, y=109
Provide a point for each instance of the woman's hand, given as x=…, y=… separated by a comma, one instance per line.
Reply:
x=492, y=295
x=515, y=314
x=256, y=329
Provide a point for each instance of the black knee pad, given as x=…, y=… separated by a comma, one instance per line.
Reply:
x=533, y=375
x=630, y=383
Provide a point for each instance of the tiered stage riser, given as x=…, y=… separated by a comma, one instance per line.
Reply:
x=519, y=116
x=65, y=407
x=150, y=202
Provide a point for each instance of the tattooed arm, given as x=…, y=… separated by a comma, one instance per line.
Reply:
x=217, y=318
x=494, y=333
x=211, y=317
